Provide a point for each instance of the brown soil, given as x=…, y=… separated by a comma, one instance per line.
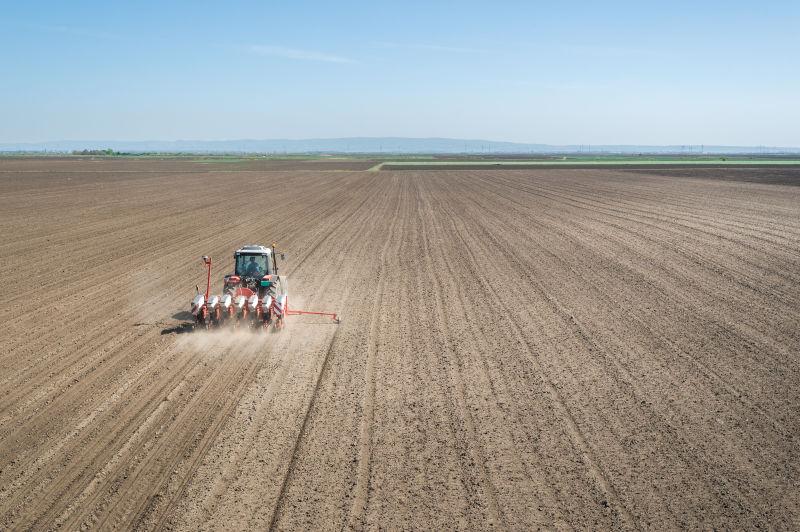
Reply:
x=136, y=165
x=769, y=174
x=518, y=349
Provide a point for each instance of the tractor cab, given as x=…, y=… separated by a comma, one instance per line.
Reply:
x=253, y=263
x=255, y=271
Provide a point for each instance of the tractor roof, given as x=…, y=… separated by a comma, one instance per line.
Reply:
x=254, y=249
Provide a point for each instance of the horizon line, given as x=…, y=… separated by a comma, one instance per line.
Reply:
x=578, y=145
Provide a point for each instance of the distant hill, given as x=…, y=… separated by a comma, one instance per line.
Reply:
x=387, y=145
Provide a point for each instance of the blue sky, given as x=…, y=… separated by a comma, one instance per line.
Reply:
x=551, y=72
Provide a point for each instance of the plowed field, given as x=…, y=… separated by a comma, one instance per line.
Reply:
x=518, y=349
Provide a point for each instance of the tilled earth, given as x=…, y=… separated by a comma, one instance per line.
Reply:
x=518, y=349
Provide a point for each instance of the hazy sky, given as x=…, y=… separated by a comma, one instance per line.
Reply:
x=551, y=72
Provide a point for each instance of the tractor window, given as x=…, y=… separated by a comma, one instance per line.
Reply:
x=252, y=265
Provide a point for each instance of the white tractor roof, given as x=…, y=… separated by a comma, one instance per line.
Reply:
x=253, y=248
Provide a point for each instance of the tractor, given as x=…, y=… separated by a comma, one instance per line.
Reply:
x=253, y=296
